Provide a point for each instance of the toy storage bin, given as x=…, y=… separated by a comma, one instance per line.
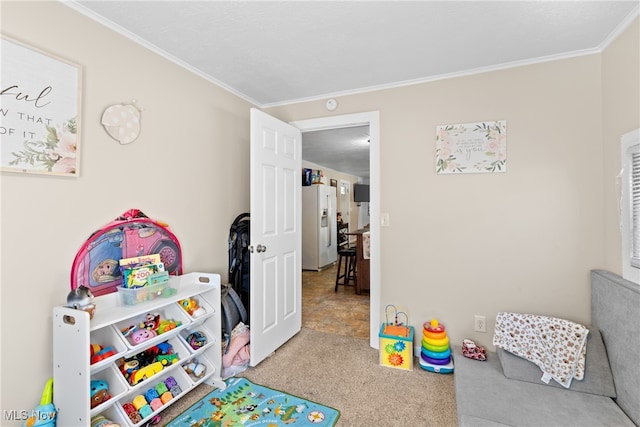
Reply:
x=135, y=296
x=169, y=312
x=178, y=348
x=117, y=387
x=204, y=304
x=396, y=347
x=178, y=375
x=107, y=337
x=184, y=334
x=112, y=413
x=206, y=362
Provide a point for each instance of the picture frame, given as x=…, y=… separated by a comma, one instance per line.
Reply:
x=40, y=110
x=472, y=147
x=333, y=182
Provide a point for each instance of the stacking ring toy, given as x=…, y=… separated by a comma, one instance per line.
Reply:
x=433, y=326
x=435, y=361
x=436, y=354
x=436, y=348
x=437, y=343
x=433, y=335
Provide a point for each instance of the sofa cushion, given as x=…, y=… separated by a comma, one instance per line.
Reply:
x=483, y=392
x=597, y=375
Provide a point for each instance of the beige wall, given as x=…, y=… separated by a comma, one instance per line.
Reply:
x=189, y=167
x=524, y=240
x=621, y=114
x=467, y=244
x=481, y=243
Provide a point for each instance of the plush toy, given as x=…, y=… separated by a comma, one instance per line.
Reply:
x=151, y=322
x=81, y=298
x=195, y=368
x=99, y=391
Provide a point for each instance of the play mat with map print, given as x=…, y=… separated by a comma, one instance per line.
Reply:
x=243, y=403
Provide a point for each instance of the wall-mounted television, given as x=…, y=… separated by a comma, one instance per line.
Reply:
x=361, y=193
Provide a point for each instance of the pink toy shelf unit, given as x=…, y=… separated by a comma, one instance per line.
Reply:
x=396, y=341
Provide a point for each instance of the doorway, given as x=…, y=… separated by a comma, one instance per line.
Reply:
x=372, y=120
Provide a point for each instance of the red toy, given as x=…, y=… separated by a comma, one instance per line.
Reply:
x=98, y=353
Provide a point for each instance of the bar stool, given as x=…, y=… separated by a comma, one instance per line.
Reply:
x=346, y=256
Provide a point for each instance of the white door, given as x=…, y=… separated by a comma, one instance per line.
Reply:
x=276, y=270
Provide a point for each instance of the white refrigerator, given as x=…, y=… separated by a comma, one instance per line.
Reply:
x=319, y=235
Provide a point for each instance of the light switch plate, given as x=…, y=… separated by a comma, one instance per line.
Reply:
x=384, y=219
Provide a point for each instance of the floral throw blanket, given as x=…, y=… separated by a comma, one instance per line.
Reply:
x=557, y=346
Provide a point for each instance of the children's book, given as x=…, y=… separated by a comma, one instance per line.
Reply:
x=140, y=260
x=157, y=278
x=137, y=276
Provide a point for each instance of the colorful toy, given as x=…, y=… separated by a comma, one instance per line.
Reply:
x=155, y=403
x=132, y=412
x=170, y=382
x=396, y=342
x=94, y=348
x=151, y=322
x=101, y=421
x=195, y=368
x=98, y=353
x=173, y=386
x=142, y=335
x=435, y=355
x=165, y=348
x=154, y=326
x=99, y=392
x=167, y=325
x=161, y=388
x=196, y=340
x=166, y=396
x=191, y=306
x=145, y=372
x=44, y=415
x=167, y=359
x=151, y=394
x=139, y=401
x=148, y=362
x=145, y=411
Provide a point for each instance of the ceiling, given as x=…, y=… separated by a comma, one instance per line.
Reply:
x=279, y=52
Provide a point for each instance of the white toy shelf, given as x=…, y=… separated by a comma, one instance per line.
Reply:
x=74, y=332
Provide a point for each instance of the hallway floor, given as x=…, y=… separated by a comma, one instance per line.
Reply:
x=342, y=312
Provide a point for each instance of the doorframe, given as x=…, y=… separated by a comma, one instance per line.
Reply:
x=372, y=118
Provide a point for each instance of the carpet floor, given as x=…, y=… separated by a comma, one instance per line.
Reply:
x=344, y=373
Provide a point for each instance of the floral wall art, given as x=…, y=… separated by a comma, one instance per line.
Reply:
x=472, y=148
x=39, y=111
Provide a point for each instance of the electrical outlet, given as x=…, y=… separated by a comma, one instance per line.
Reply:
x=480, y=323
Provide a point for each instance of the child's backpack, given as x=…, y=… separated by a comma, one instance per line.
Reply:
x=239, y=258
x=132, y=234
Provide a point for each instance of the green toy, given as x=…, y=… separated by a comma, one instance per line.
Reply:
x=45, y=414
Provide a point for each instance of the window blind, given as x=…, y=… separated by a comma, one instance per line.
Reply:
x=635, y=204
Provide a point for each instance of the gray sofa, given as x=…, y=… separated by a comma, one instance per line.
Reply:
x=507, y=390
